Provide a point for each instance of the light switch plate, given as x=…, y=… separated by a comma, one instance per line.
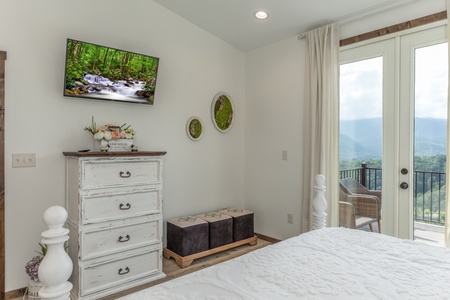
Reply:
x=23, y=160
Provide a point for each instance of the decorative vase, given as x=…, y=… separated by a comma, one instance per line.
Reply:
x=104, y=145
x=33, y=289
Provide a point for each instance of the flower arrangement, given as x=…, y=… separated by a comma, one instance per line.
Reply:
x=110, y=132
x=32, y=266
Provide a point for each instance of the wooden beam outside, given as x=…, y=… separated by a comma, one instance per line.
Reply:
x=395, y=28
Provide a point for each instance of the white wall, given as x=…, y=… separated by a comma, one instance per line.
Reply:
x=275, y=75
x=199, y=176
x=274, y=123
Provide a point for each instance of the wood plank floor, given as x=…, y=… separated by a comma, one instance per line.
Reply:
x=171, y=269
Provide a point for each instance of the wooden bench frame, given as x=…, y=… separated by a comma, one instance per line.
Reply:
x=186, y=261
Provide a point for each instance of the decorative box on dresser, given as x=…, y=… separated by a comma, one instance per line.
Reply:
x=114, y=205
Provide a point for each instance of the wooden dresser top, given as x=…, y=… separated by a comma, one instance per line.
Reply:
x=98, y=153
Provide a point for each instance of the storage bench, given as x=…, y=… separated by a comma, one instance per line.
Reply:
x=190, y=238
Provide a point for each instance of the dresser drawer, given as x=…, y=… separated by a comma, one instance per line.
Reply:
x=118, y=173
x=107, y=207
x=118, y=238
x=121, y=270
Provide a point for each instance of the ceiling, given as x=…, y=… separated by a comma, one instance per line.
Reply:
x=233, y=20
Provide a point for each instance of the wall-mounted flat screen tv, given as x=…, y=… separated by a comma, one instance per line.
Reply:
x=104, y=73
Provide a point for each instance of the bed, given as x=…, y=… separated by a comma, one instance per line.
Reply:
x=330, y=263
x=325, y=263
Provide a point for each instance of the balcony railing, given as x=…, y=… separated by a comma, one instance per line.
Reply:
x=428, y=191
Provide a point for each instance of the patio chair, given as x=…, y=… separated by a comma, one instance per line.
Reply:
x=351, y=186
x=356, y=211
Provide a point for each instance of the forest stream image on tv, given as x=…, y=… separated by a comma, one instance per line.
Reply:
x=105, y=73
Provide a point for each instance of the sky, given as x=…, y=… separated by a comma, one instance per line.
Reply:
x=361, y=89
x=431, y=81
x=361, y=85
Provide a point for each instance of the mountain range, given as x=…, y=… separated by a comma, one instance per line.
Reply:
x=362, y=139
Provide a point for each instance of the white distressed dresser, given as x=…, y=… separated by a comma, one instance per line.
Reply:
x=114, y=205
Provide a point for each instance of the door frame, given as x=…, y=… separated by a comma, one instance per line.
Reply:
x=2, y=174
x=391, y=132
x=386, y=49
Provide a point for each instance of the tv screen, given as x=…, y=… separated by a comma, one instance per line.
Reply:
x=104, y=73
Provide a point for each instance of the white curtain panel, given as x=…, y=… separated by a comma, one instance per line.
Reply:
x=321, y=121
x=447, y=183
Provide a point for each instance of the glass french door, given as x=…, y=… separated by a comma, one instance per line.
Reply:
x=367, y=130
x=393, y=97
x=423, y=135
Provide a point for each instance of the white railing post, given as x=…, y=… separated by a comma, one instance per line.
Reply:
x=56, y=267
x=319, y=203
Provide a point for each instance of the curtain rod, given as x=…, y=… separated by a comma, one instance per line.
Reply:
x=302, y=36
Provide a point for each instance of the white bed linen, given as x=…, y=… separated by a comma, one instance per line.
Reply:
x=330, y=263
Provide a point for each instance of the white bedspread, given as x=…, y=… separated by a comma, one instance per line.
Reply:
x=331, y=263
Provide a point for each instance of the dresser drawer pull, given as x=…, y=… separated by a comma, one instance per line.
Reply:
x=127, y=206
x=125, y=174
x=123, y=272
x=121, y=240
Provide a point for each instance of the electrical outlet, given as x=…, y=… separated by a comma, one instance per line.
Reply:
x=290, y=218
x=284, y=155
x=23, y=160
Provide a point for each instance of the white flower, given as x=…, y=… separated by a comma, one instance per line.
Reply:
x=107, y=135
x=129, y=135
x=99, y=135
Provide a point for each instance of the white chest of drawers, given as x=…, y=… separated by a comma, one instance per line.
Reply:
x=114, y=205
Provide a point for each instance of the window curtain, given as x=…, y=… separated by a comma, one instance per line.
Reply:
x=321, y=121
x=447, y=183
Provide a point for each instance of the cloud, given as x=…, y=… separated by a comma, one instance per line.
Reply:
x=361, y=91
x=361, y=82
x=431, y=81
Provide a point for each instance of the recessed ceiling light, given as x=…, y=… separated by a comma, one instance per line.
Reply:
x=261, y=15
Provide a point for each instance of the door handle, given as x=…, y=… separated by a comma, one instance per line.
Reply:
x=404, y=171
x=404, y=185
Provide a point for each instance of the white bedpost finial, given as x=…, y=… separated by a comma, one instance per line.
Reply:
x=319, y=203
x=56, y=267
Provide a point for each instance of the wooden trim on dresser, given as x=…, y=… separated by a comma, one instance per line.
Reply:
x=2, y=175
x=115, y=154
x=395, y=28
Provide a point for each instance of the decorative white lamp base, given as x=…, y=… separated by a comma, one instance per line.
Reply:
x=56, y=267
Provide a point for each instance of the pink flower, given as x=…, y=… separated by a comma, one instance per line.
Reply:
x=117, y=135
